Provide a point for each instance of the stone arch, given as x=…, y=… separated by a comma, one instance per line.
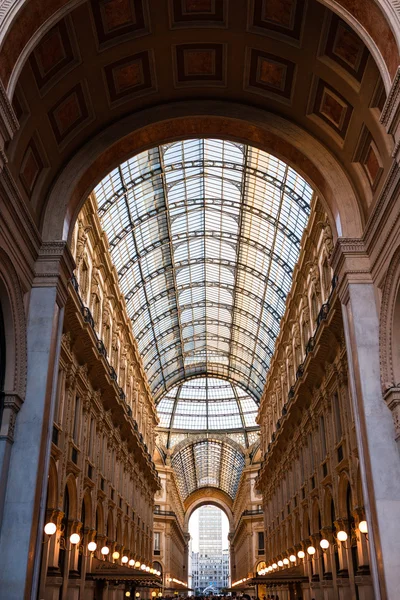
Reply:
x=205, y=496
x=110, y=531
x=290, y=537
x=297, y=530
x=315, y=516
x=12, y=306
x=118, y=532
x=126, y=539
x=305, y=525
x=221, y=119
x=25, y=23
x=344, y=482
x=70, y=484
x=87, y=502
x=99, y=519
x=52, y=485
x=327, y=507
x=390, y=326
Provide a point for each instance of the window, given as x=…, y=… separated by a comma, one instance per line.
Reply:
x=260, y=542
x=157, y=548
x=323, y=436
x=338, y=419
x=75, y=432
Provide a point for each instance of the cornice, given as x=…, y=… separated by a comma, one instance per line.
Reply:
x=54, y=268
x=351, y=264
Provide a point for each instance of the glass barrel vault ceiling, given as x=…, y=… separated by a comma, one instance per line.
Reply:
x=208, y=463
x=208, y=404
x=204, y=235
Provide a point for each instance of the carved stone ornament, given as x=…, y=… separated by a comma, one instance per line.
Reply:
x=327, y=238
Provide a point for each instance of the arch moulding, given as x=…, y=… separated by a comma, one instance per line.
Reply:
x=389, y=340
x=166, y=123
x=208, y=495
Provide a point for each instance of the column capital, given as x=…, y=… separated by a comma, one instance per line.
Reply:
x=54, y=267
x=351, y=264
x=12, y=405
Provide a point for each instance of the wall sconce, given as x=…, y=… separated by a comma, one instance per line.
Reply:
x=363, y=528
x=50, y=528
x=324, y=543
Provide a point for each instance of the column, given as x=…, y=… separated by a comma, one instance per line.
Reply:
x=25, y=498
x=379, y=456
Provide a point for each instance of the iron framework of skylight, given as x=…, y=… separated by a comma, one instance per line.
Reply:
x=208, y=463
x=208, y=404
x=204, y=235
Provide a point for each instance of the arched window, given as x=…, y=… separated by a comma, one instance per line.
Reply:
x=64, y=529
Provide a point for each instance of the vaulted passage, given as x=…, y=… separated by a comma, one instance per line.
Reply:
x=199, y=298
x=204, y=235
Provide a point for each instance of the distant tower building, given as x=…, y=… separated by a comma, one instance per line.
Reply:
x=210, y=565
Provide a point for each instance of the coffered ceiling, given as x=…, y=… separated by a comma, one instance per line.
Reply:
x=110, y=58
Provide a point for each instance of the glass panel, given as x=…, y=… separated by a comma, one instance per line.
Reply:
x=204, y=235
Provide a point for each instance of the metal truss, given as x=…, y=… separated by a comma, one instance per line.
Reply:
x=204, y=235
x=208, y=463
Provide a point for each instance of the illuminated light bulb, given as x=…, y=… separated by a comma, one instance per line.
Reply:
x=274, y=566
x=128, y=594
x=115, y=555
x=131, y=563
x=341, y=536
x=292, y=558
x=324, y=544
x=143, y=567
x=147, y=569
x=285, y=561
x=50, y=528
x=105, y=550
x=280, y=563
x=301, y=554
x=137, y=564
x=75, y=538
x=124, y=560
x=92, y=546
x=154, y=594
x=311, y=550
x=363, y=526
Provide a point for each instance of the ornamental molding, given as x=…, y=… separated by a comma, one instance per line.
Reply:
x=391, y=108
x=15, y=302
x=54, y=268
x=376, y=229
x=388, y=303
